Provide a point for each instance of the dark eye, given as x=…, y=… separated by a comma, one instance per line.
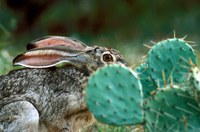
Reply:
x=107, y=58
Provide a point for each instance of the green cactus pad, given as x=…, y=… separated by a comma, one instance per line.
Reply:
x=167, y=61
x=170, y=58
x=147, y=82
x=114, y=96
x=172, y=109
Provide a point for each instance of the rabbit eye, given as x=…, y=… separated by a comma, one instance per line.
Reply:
x=107, y=57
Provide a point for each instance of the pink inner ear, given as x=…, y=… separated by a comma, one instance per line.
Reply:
x=37, y=60
x=56, y=41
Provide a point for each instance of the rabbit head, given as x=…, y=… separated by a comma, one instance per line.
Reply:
x=52, y=50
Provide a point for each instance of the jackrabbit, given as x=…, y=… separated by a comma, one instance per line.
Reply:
x=43, y=97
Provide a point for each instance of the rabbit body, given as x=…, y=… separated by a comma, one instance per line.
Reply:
x=54, y=96
x=45, y=98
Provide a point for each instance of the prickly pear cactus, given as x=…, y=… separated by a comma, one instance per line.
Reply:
x=172, y=109
x=170, y=85
x=167, y=62
x=114, y=96
x=147, y=82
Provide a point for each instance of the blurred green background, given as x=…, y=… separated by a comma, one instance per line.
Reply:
x=122, y=24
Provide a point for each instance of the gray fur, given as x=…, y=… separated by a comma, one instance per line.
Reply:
x=55, y=93
x=48, y=99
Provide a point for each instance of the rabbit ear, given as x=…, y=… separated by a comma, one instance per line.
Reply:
x=50, y=41
x=51, y=56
